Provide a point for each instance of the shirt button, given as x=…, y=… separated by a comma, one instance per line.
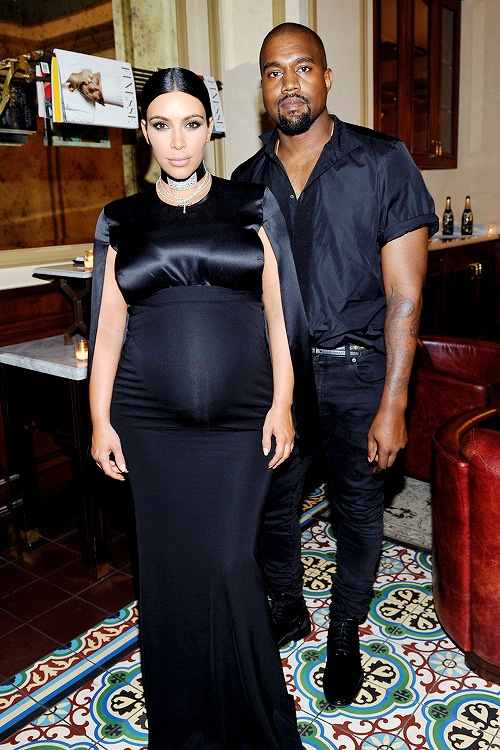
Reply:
x=353, y=359
x=292, y=197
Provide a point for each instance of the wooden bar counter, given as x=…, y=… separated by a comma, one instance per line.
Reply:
x=462, y=289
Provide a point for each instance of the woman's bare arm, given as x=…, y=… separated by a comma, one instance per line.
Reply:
x=110, y=330
x=279, y=418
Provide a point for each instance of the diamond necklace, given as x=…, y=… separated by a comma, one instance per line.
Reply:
x=182, y=200
x=186, y=184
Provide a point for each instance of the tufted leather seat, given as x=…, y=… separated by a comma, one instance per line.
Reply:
x=451, y=375
x=466, y=536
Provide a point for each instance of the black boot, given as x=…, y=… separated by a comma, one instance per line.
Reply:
x=290, y=618
x=343, y=676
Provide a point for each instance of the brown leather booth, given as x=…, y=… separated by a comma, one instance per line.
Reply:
x=451, y=375
x=466, y=536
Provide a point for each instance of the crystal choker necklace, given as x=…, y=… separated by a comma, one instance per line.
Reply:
x=189, y=182
x=182, y=200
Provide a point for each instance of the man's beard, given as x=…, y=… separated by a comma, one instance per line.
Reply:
x=295, y=124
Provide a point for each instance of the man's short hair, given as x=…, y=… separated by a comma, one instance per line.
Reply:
x=289, y=27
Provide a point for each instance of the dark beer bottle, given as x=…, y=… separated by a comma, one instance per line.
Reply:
x=448, y=218
x=467, y=217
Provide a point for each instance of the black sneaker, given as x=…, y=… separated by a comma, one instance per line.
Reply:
x=343, y=675
x=290, y=618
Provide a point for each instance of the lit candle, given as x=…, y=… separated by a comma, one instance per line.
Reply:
x=492, y=228
x=82, y=350
x=88, y=259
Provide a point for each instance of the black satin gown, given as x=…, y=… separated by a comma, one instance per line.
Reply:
x=192, y=390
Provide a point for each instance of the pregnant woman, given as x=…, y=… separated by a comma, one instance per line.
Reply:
x=191, y=396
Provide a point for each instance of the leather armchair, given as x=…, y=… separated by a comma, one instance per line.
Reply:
x=466, y=536
x=451, y=375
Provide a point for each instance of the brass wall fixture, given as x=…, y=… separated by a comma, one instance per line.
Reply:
x=15, y=67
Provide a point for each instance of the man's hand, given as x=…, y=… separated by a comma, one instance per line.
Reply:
x=386, y=437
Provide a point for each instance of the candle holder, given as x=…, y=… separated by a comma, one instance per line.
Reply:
x=88, y=259
x=81, y=350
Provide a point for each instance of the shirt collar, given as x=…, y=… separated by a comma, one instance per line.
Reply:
x=340, y=144
x=269, y=139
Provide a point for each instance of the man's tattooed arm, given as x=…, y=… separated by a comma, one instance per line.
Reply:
x=404, y=263
x=401, y=332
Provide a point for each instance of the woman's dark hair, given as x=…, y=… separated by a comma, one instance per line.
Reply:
x=175, y=79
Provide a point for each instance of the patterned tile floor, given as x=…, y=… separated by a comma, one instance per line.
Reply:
x=417, y=694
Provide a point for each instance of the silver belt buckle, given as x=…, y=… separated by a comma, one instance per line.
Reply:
x=355, y=349
x=338, y=352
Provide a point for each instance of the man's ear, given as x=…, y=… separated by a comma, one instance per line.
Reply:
x=145, y=131
x=328, y=78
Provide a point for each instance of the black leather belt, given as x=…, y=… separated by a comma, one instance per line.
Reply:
x=349, y=350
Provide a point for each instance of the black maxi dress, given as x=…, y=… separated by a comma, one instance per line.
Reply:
x=193, y=387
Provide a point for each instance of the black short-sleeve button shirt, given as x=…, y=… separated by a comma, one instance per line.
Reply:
x=363, y=192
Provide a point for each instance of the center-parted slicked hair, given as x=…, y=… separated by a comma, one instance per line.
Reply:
x=290, y=28
x=175, y=79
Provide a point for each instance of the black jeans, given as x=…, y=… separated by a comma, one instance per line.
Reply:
x=349, y=392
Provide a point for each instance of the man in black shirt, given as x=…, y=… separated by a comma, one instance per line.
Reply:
x=359, y=217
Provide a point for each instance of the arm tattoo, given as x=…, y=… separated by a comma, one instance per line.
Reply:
x=415, y=325
x=401, y=331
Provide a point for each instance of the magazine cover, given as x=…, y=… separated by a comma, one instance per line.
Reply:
x=218, y=115
x=19, y=116
x=44, y=90
x=92, y=90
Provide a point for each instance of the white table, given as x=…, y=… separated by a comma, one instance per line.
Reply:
x=65, y=271
x=43, y=386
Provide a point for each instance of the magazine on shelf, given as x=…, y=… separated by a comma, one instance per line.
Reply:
x=44, y=90
x=91, y=90
x=218, y=115
x=19, y=116
x=68, y=134
x=13, y=139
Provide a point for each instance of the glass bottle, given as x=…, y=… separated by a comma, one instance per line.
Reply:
x=448, y=217
x=467, y=222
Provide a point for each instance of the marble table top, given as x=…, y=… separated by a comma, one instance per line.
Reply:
x=64, y=271
x=50, y=355
x=440, y=241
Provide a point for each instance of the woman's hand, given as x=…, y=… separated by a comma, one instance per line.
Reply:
x=104, y=442
x=279, y=423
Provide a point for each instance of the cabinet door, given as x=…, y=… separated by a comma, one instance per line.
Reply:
x=432, y=317
x=387, y=67
x=416, y=50
x=471, y=312
x=443, y=85
x=420, y=80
